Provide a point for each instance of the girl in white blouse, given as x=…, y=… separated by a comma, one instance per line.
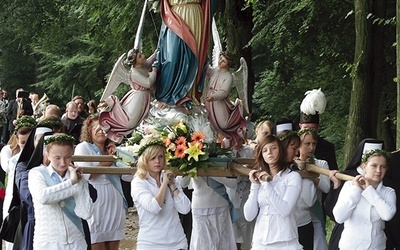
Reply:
x=60, y=198
x=158, y=199
x=308, y=145
x=273, y=202
x=308, y=195
x=364, y=205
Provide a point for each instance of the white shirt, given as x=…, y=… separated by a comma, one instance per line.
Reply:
x=239, y=194
x=364, y=213
x=5, y=155
x=159, y=227
x=274, y=205
x=9, y=168
x=53, y=229
x=204, y=197
x=307, y=198
x=324, y=184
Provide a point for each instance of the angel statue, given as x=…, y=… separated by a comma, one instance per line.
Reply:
x=119, y=118
x=226, y=118
x=183, y=47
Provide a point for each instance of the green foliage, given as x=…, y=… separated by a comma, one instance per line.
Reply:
x=66, y=48
x=70, y=47
x=303, y=45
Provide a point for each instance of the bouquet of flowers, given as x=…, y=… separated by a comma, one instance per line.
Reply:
x=188, y=148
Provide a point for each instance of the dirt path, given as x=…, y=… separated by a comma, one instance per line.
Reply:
x=131, y=230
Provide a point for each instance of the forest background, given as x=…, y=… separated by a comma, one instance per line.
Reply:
x=346, y=48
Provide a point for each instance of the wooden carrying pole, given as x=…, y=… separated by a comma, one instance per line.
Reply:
x=243, y=170
x=233, y=169
x=211, y=171
x=94, y=158
x=241, y=166
x=313, y=168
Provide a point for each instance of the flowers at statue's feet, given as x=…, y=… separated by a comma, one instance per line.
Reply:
x=186, y=149
x=194, y=151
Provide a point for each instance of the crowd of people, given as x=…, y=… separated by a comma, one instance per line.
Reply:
x=56, y=202
x=277, y=206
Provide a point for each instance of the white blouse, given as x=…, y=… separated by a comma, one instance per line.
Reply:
x=364, y=213
x=274, y=205
x=308, y=196
x=159, y=227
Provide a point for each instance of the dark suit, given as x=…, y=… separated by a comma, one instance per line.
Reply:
x=392, y=179
x=326, y=151
x=12, y=112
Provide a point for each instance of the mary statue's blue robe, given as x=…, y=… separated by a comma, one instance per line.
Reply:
x=182, y=50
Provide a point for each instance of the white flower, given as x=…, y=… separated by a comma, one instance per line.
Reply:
x=150, y=129
x=172, y=147
x=133, y=149
x=171, y=136
x=156, y=133
x=201, y=123
x=147, y=136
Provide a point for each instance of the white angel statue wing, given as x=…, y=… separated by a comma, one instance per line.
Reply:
x=119, y=74
x=240, y=81
x=239, y=77
x=215, y=55
x=217, y=49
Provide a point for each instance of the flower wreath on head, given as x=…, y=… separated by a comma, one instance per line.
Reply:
x=148, y=144
x=375, y=152
x=25, y=121
x=59, y=138
x=288, y=135
x=51, y=123
x=262, y=119
x=306, y=130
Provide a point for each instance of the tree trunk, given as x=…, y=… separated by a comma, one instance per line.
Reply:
x=378, y=111
x=359, y=115
x=398, y=71
x=238, y=24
